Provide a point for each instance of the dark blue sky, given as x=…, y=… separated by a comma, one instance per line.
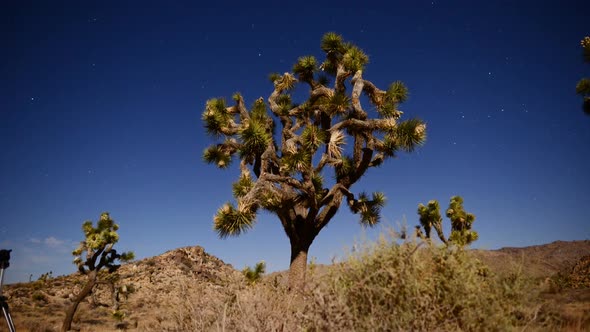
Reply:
x=100, y=107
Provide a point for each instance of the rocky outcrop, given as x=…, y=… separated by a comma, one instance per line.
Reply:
x=138, y=294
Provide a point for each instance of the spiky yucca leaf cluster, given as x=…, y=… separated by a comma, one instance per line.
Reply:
x=338, y=52
x=406, y=136
x=312, y=137
x=369, y=209
x=583, y=86
x=305, y=67
x=255, y=138
x=96, y=250
x=218, y=155
x=388, y=106
x=585, y=42
x=243, y=185
x=215, y=117
x=231, y=221
x=461, y=221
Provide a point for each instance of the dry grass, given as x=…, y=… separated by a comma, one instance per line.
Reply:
x=234, y=306
x=388, y=285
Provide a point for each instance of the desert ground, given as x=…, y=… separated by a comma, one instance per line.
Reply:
x=187, y=289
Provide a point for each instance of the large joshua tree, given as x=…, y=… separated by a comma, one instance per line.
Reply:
x=95, y=253
x=285, y=173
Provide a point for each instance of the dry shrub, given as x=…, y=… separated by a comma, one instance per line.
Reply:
x=234, y=306
x=416, y=286
x=386, y=286
x=34, y=326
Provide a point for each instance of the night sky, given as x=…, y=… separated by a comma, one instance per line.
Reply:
x=101, y=102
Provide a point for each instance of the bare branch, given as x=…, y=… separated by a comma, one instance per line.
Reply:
x=341, y=75
x=358, y=83
x=375, y=94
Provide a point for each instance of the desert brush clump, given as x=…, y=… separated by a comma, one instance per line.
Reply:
x=94, y=254
x=461, y=222
x=416, y=286
x=299, y=160
x=235, y=305
x=387, y=285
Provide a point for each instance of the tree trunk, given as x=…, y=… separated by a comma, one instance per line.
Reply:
x=67, y=325
x=298, y=266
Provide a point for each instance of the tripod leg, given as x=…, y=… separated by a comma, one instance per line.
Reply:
x=8, y=317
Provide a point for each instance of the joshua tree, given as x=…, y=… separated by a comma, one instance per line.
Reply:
x=285, y=173
x=430, y=218
x=461, y=222
x=93, y=254
x=583, y=86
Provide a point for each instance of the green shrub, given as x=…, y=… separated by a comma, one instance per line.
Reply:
x=39, y=297
x=118, y=315
x=253, y=275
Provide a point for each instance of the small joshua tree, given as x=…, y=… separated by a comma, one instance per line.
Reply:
x=284, y=173
x=461, y=222
x=583, y=86
x=46, y=276
x=254, y=275
x=430, y=218
x=94, y=253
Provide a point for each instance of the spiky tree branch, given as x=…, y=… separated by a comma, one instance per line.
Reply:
x=583, y=86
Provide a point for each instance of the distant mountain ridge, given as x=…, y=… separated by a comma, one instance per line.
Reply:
x=536, y=261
